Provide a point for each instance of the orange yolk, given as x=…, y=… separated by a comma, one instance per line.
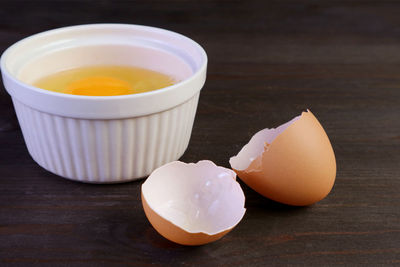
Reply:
x=99, y=86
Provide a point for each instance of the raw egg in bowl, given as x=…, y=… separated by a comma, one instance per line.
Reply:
x=90, y=133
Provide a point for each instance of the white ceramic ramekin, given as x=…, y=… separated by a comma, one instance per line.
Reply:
x=105, y=139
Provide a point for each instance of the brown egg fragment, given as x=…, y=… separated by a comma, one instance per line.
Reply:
x=293, y=164
x=193, y=204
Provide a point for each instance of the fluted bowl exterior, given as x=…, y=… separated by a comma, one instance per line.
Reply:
x=107, y=139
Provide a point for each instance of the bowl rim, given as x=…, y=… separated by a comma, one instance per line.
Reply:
x=198, y=74
x=4, y=57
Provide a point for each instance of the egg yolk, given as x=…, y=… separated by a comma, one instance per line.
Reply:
x=99, y=86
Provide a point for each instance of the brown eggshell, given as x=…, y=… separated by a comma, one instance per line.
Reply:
x=193, y=204
x=176, y=234
x=298, y=168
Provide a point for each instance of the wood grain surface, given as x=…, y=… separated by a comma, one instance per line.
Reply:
x=268, y=61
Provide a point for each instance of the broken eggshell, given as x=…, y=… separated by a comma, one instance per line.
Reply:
x=193, y=204
x=293, y=164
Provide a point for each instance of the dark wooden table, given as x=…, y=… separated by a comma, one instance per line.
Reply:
x=268, y=61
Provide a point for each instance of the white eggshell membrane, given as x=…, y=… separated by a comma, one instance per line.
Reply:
x=257, y=145
x=199, y=198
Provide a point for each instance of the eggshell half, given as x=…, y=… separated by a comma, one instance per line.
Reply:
x=292, y=164
x=193, y=204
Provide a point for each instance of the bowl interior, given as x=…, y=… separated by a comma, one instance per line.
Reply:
x=104, y=44
x=77, y=46
x=124, y=55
